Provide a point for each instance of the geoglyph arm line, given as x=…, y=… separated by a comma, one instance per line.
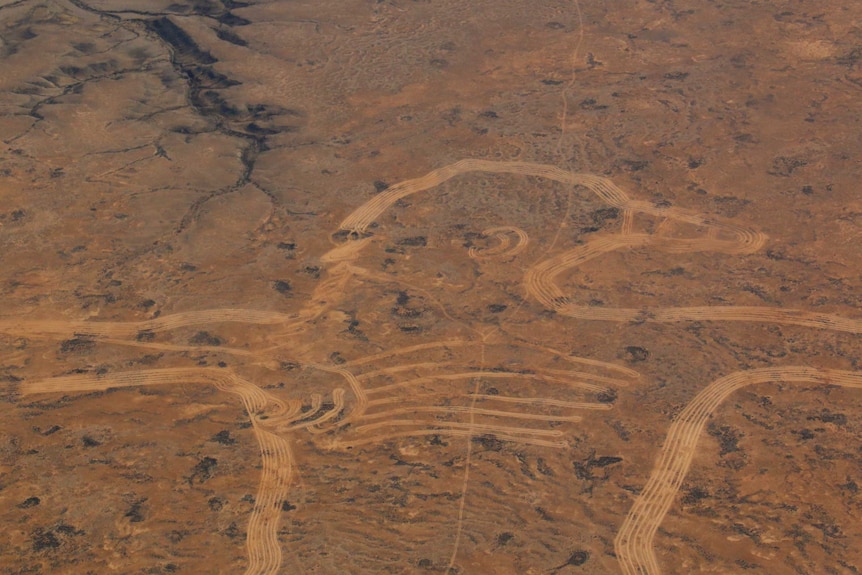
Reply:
x=518, y=439
x=452, y=343
x=469, y=375
x=713, y=313
x=171, y=347
x=453, y=409
x=570, y=375
x=254, y=398
x=540, y=282
x=480, y=427
x=549, y=402
x=760, y=314
x=621, y=370
x=404, y=367
x=498, y=433
x=546, y=401
x=611, y=367
x=37, y=328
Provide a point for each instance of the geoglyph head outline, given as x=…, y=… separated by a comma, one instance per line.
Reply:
x=540, y=278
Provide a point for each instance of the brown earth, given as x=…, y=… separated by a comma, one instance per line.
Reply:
x=403, y=286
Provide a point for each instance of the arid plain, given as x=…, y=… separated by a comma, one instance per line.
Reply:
x=424, y=286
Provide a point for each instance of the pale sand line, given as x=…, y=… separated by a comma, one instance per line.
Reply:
x=132, y=328
x=449, y=432
x=454, y=409
x=501, y=250
x=481, y=427
x=469, y=375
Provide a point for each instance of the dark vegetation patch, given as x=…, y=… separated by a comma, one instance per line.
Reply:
x=728, y=438
x=233, y=532
x=52, y=538
x=584, y=469
x=488, y=441
x=43, y=540
x=135, y=512
x=577, y=558
x=203, y=470
x=313, y=271
x=504, y=538
x=145, y=335
x=223, y=437
x=635, y=165
x=827, y=416
x=694, y=495
x=636, y=354
x=29, y=502
x=205, y=338
x=784, y=166
x=604, y=461
x=281, y=286
x=78, y=344
x=729, y=206
x=380, y=185
x=604, y=215
x=676, y=76
x=90, y=442
x=592, y=104
x=415, y=241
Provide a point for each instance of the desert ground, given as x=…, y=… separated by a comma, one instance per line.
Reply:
x=421, y=286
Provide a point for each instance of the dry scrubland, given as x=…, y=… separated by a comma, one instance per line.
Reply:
x=430, y=287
